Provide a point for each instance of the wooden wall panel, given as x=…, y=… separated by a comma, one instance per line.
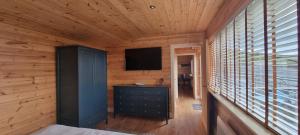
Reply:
x=187, y=50
x=27, y=79
x=116, y=57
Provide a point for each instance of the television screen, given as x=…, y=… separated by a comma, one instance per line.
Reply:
x=143, y=59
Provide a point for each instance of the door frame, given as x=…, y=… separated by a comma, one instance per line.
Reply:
x=174, y=77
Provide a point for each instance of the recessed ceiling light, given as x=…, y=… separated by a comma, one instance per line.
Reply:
x=152, y=7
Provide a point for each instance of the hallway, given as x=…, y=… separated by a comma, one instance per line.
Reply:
x=187, y=121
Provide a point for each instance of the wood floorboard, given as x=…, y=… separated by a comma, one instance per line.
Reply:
x=186, y=121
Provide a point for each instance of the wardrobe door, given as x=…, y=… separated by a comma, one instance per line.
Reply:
x=86, y=60
x=100, y=84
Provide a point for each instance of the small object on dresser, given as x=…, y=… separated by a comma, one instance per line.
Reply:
x=139, y=84
x=161, y=81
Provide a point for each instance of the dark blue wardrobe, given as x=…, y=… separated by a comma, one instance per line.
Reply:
x=81, y=86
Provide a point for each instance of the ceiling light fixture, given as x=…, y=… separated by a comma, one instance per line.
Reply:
x=152, y=7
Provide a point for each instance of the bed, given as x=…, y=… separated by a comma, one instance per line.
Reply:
x=67, y=130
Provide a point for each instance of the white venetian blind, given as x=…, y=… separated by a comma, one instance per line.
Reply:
x=223, y=65
x=218, y=62
x=240, y=60
x=283, y=66
x=230, y=61
x=214, y=69
x=256, y=60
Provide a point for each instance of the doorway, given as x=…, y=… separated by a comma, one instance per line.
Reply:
x=185, y=71
x=191, y=50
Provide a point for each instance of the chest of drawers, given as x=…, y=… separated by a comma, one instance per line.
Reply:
x=145, y=101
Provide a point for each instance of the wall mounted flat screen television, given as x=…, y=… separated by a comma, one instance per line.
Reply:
x=143, y=59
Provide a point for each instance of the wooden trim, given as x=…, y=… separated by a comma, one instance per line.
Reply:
x=274, y=69
x=220, y=49
x=246, y=50
x=266, y=63
x=226, y=61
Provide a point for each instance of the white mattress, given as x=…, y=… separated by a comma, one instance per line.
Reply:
x=66, y=130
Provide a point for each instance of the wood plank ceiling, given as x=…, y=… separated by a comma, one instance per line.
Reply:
x=110, y=22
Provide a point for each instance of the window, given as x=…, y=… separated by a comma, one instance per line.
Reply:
x=283, y=65
x=240, y=60
x=254, y=63
x=212, y=64
x=223, y=63
x=230, y=61
x=218, y=63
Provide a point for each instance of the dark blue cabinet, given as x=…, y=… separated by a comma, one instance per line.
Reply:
x=145, y=101
x=81, y=86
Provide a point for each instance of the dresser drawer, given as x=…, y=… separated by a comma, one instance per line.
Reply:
x=151, y=106
x=153, y=99
x=153, y=113
x=136, y=110
x=127, y=110
x=129, y=98
x=153, y=92
x=131, y=92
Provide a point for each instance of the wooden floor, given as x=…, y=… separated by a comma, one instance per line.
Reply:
x=186, y=121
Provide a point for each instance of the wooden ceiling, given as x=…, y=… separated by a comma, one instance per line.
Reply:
x=110, y=21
